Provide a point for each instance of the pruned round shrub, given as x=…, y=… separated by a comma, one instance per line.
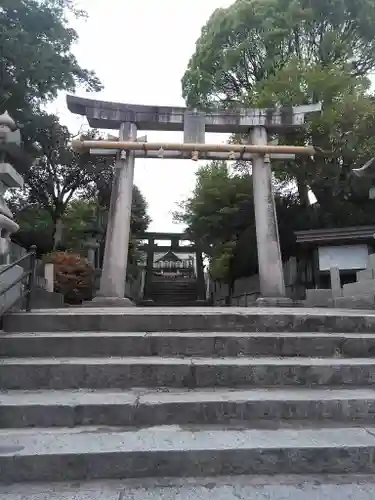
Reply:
x=74, y=277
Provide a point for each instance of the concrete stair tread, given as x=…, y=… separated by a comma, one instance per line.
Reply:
x=208, y=311
x=197, y=335
x=276, y=487
x=176, y=391
x=149, y=396
x=198, y=319
x=194, y=361
x=89, y=440
x=189, y=344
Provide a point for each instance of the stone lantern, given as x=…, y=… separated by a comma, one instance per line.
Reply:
x=92, y=241
x=12, y=161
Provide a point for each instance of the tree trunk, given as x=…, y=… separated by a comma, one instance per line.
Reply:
x=303, y=192
x=57, y=232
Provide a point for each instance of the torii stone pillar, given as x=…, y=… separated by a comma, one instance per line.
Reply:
x=271, y=275
x=113, y=278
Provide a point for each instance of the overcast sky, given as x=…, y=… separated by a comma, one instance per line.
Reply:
x=140, y=50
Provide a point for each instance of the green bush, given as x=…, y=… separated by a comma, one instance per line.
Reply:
x=74, y=277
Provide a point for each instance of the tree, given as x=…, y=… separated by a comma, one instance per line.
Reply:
x=58, y=174
x=216, y=213
x=140, y=219
x=268, y=52
x=35, y=55
x=36, y=225
x=83, y=212
x=220, y=215
x=65, y=189
x=247, y=42
x=100, y=189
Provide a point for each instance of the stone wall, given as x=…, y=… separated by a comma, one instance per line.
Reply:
x=247, y=290
x=357, y=295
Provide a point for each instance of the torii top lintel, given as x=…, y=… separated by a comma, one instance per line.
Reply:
x=110, y=115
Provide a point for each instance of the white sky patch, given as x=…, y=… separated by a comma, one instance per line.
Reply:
x=140, y=51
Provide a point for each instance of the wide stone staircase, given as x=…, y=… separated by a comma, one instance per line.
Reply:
x=173, y=292
x=135, y=393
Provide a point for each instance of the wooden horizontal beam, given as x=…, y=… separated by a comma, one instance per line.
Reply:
x=162, y=236
x=186, y=249
x=183, y=155
x=82, y=145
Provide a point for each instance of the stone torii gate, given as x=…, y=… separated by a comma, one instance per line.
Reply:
x=255, y=123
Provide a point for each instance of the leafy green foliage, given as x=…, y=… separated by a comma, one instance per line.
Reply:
x=252, y=39
x=64, y=191
x=36, y=60
x=218, y=204
x=281, y=52
x=216, y=211
x=62, y=188
x=220, y=214
x=37, y=227
x=58, y=174
x=266, y=53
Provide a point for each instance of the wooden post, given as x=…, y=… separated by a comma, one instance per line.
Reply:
x=149, y=268
x=200, y=274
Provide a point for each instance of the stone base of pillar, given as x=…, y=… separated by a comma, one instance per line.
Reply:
x=109, y=302
x=274, y=302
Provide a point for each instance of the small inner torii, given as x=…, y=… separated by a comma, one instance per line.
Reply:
x=253, y=123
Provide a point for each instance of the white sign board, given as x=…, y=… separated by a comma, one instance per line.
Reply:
x=344, y=257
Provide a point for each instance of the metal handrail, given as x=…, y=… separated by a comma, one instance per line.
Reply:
x=29, y=274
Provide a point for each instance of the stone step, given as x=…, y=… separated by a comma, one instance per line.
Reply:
x=174, y=293
x=172, y=301
x=160, y=302
x=97, y=344
x=180, y=285
x=173, y=289
x=192, y=319
x=96, y=453
x=125, y=372
x=276, y=487
x=257, y=408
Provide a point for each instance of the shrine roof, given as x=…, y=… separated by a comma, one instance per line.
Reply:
x=170, y=257
x=329, y=235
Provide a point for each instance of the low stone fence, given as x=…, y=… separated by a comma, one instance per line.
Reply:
x=246, y=290
x=357, y=295
x=244, y=293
